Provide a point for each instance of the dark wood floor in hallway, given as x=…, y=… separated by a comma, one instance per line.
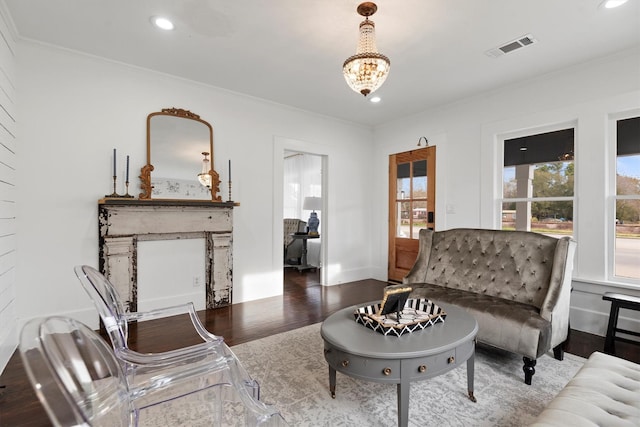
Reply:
x=304, y=302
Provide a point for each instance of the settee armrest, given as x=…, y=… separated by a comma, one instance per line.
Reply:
x=556, y=305
x=418, y=273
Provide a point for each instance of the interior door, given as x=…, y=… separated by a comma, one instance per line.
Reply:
x=412, y=201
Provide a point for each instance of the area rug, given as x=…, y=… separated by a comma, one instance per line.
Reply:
x=293, y=375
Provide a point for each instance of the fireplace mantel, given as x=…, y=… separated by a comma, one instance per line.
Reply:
x=124, y=222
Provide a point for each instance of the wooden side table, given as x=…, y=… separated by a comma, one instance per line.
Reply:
x=304, y=265
x=619, y=301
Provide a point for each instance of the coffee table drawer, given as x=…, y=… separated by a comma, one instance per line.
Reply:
x=378, y=370
x=430, y=366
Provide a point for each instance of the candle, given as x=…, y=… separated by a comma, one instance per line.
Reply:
x=114, y=163
x=127, y=168
x=229, y=169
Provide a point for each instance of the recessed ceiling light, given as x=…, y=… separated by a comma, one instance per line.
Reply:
x=375, y=99
x=610, y=4
x=162, y=23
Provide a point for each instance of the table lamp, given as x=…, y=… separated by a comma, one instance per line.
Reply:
x=312, y=204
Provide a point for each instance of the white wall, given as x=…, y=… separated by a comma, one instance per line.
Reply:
x=469, y=162
x=8, y=185
x=75, y=109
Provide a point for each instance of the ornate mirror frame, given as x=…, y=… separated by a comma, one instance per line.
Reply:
x=145, y=172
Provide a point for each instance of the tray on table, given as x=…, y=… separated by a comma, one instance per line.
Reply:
x=417, y=314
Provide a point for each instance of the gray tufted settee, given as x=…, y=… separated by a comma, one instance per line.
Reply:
x=292, y=248
x=516, y=284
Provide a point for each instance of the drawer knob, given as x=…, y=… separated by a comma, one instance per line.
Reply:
x=386, y=371
x=345, y=363
x=422, y=369
x=451, y=359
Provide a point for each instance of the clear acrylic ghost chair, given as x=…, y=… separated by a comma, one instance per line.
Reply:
x=81, y=383
x=148, y=370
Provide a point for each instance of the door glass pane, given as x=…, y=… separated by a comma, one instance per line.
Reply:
x=403, y=184
x=419, y=179
x=403, y=219
x=411, y=184
x=419, y=218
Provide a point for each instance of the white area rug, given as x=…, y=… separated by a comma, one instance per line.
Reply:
x=294, y=377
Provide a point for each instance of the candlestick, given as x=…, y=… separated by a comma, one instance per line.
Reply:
x=114, y=194
x=115, y=177
x=127, y=195
x=229, y=179
x=127, y=180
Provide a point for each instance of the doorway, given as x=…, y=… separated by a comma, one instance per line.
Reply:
x=302, y=212
x=412, y=201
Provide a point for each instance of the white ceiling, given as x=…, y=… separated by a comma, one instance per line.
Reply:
x=291, y=51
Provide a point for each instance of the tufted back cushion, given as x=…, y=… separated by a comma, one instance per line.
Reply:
x=291, y=226
x=513, y=265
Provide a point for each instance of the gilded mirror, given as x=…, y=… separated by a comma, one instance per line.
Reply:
x=180, y=155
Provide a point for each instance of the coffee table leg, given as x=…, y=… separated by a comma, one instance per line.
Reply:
x=403, y=403
x=332, y=382
x=470, y=375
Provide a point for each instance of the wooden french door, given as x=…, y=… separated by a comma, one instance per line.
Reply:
x=412, y=202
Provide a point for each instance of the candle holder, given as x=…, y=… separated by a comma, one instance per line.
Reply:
x=127, y=195
x=114, y=194
x=230, y=199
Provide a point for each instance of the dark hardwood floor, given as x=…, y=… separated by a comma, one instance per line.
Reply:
x=304, y=302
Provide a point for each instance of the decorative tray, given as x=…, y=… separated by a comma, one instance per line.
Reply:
x=416, y=315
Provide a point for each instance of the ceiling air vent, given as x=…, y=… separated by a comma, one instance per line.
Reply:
x=520, y=42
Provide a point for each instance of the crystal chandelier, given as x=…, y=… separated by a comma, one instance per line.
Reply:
x=205, y=177
x=367, y=69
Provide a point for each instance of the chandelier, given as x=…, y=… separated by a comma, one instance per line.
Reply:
x=367, y=69
x=205, y=177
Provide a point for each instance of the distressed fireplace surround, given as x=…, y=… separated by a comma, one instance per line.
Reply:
x=125, y=222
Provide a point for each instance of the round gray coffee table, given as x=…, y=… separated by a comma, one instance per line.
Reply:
x=360, y=352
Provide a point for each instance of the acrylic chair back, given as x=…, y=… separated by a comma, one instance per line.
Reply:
x=75, y=374
x=208, y=364
x=107, y=301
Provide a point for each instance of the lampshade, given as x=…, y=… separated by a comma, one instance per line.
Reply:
x=312, y=204
x=205, y=177
x=367, y=69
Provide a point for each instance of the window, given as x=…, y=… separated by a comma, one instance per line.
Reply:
x=627, y=220
x=538, y=179
x=411, y=200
